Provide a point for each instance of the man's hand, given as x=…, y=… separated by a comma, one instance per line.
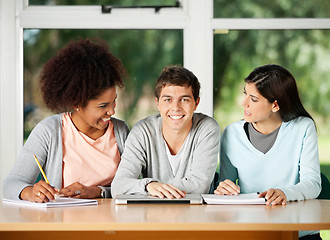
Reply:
x=163, y=190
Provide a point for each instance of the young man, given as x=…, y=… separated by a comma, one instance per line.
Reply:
x=174, y=152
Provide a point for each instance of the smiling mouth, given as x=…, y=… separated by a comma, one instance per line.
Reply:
x=176, y=117
x=247, y=113
x=106, y=119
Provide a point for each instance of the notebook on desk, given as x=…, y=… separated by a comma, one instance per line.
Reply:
x=59, y=202
x=139, y=199
x=242, y=198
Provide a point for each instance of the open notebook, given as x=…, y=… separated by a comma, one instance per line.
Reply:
x=139, y=198
x=242, y=198
x=59, y=202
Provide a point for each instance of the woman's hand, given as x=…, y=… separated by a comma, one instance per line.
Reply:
x=78, y=190
x=227, y=187
x=274, y=197
x=162, y=190
x=40, y=192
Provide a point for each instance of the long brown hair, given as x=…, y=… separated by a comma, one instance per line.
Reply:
x=276, y=83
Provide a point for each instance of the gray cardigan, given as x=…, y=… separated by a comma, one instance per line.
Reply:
x=46, y=142
x=145, y=159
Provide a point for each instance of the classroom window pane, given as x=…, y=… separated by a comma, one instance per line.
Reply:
x=271, y=9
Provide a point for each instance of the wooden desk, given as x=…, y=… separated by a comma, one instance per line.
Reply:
x=157, y=221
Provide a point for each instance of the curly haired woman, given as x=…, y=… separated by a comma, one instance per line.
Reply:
x=80, y=147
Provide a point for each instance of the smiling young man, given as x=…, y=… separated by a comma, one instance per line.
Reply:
x=174, y=152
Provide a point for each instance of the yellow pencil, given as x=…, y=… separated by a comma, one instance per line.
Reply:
x=42, y=171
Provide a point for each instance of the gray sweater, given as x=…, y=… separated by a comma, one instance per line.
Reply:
x=145, y=159
x=46, y=142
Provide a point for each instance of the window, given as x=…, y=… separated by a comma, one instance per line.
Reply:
x=271, y=9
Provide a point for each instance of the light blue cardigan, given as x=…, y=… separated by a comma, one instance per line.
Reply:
x=46, y=142
x=292, y=164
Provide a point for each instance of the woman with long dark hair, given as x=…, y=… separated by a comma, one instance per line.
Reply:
x=274, y=150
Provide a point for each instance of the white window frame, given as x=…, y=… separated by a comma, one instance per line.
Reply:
x=195, y=18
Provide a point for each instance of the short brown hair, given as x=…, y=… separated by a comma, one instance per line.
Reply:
x=178, y=76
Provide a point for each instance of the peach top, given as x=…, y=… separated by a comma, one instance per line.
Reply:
x=85, y=160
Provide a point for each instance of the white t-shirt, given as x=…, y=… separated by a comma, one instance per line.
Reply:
x=175, y=160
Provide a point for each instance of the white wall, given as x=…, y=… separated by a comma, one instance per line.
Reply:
x=11, y=86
